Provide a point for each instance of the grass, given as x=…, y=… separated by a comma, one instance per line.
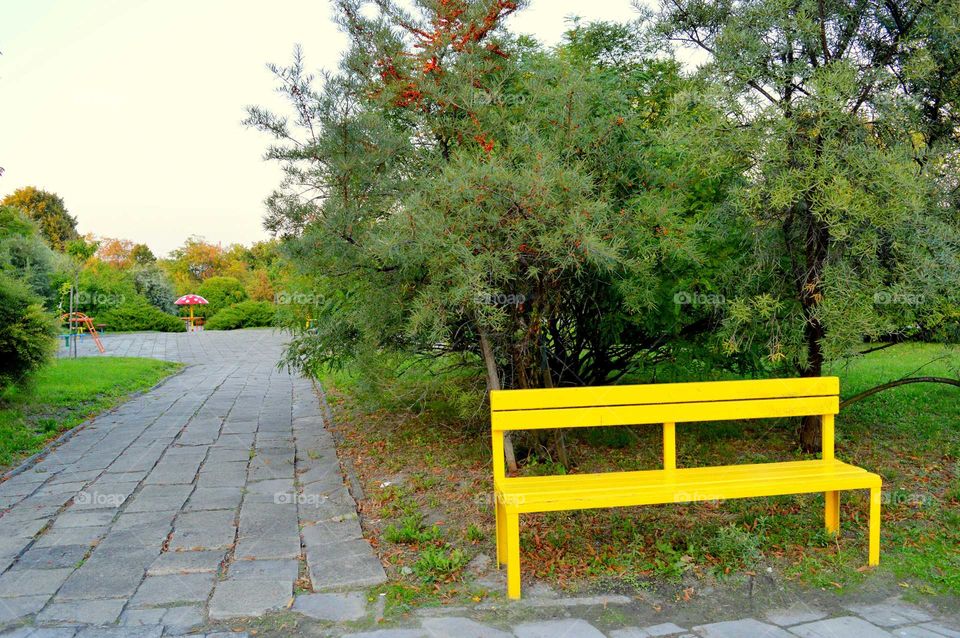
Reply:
x=429, y=467
x=64, y=394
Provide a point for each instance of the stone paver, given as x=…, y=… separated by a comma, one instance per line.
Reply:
x=335, y=607
x=842, y=626
x=567, y=628
x=131, y=519
x=739, y=628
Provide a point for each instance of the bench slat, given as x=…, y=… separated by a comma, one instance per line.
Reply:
x=662, y=413
x=660, y=393
x=686, y=485
x=606, y=480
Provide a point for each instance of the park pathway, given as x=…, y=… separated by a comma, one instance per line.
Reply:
x=210, y=497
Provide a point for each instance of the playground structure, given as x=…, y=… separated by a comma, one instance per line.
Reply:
x=77, y=322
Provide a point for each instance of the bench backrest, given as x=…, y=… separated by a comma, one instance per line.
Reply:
x=665, y=403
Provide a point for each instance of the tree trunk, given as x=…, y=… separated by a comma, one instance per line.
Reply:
x=493, y=383
x=811, y=294
x=810, y=429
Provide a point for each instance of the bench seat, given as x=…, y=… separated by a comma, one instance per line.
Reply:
x=650, y=487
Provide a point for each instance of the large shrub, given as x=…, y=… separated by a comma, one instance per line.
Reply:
x=220, y=292
x=138, y=315
x=27, y=333
x=246, y=314
x=23, y=252
x=154, y=285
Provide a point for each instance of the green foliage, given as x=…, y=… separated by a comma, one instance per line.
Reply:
x=220, y=292
x=438, y=564
x=27, y=332
x=153, y=285
x=246, y=314
x=136, y=315
x=23, y=252
x=142, y=255
x=846, y=196
x=411, y=530
x=50, y=213
x=502, y=195
x=733, y=547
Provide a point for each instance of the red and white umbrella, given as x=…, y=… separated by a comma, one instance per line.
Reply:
x=191, y=300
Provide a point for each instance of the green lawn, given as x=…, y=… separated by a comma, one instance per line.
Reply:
x=64, y=394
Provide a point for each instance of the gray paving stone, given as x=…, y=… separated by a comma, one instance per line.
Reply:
x=29, y=582
x=567, y=628
x=90, y=583
x=54, y=632
x=348, y=564
x=79, y=518
x=891, y=613
x=89, y=612
x=915, y=632
x=70, y=536
x=335, y=607
x=204, y=530
x=286, y=569
x=245, y=598
x=940, y=629
x=391, y=633
x=15, y=609
x=186, y=563
x=173, y=588
x=663, y=629
x=794, y=615
x=653, y=631
x=51, y=557
x=214, y=498
x=740, y=629
x=843, y=626
x=455, y=626
x=121, y=632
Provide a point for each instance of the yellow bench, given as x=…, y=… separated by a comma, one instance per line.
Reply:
x=669, y=404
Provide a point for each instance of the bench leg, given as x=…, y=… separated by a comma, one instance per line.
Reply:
x=513, y=555
x=874, y=526
x=832, y=511
x=501, y=531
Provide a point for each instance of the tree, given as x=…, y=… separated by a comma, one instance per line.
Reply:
x=220, y=292
x=142, y=255
x=49, y=211
x=23, y=252
x=27, y=332
x=456, y=191
x=116, y=252
x=847, y=112
x=154, y=285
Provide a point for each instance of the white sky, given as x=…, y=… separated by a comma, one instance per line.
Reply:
x=130, y=109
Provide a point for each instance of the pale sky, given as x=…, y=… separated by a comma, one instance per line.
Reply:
x=131, y=110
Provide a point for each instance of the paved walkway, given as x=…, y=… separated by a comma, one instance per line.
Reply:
x=204, y=499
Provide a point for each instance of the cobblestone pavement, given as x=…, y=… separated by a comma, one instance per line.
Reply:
x=201, y=500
